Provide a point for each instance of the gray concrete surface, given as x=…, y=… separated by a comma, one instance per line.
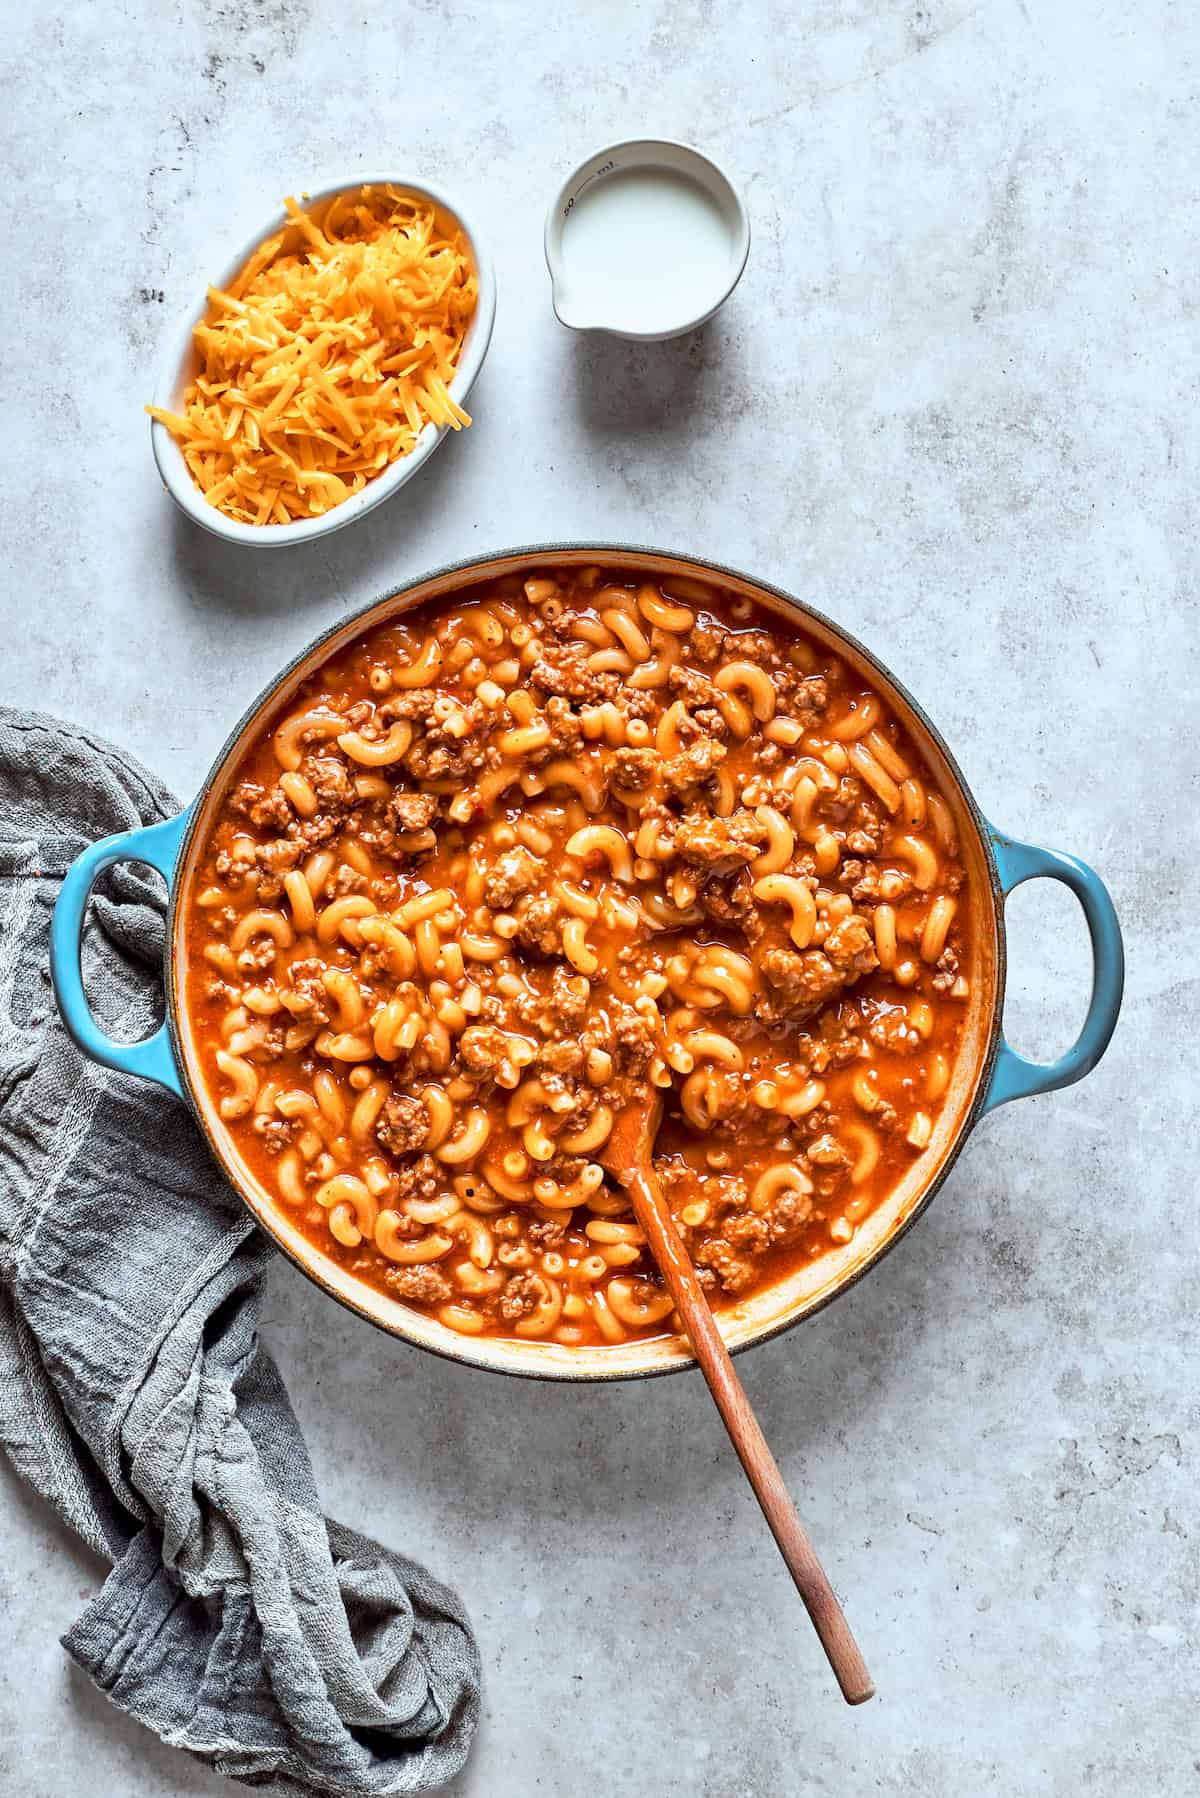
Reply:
x=953, y=402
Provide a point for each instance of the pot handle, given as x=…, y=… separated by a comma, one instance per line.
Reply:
x=158, y=846
x=1013, y=1076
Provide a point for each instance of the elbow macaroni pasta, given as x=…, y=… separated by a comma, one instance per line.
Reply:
x=506, y=859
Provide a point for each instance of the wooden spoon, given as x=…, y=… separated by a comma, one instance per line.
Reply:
x=626, y=1156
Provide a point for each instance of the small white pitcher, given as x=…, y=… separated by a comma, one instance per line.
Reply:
x=645, y=240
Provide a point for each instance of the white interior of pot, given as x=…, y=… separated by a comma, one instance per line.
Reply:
x=764, y=1312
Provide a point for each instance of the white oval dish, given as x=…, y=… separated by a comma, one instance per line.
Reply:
x=580, y=305
x=176, y=371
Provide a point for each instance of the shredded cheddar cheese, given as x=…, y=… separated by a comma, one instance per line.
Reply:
x=325, y=359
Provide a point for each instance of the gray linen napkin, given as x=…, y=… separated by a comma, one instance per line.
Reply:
x=237, y=1622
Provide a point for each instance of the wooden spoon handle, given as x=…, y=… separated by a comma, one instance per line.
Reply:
x=753, y=1450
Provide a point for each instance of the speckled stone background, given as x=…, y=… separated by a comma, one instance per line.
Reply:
x=954, y=403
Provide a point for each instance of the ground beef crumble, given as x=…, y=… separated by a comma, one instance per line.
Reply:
x=266, y=807
x=522, y=1295
x=409, y=812
x=635, y=769
x=562, y=670
x=482, y=1048
x=419, y=1179
x=562, y=1055
x=403, y=1124
x=693, y=767
x=453, y=758
x=800, y=982
x=733, y=1271
x=424, y=1285
x=305, y=995
x=569, y=996
x=546, y=1232
x=511, y=874
x=720, y=845
x=539, y=926
x=850, y=946
x=330, y=781
x=634, y=1037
